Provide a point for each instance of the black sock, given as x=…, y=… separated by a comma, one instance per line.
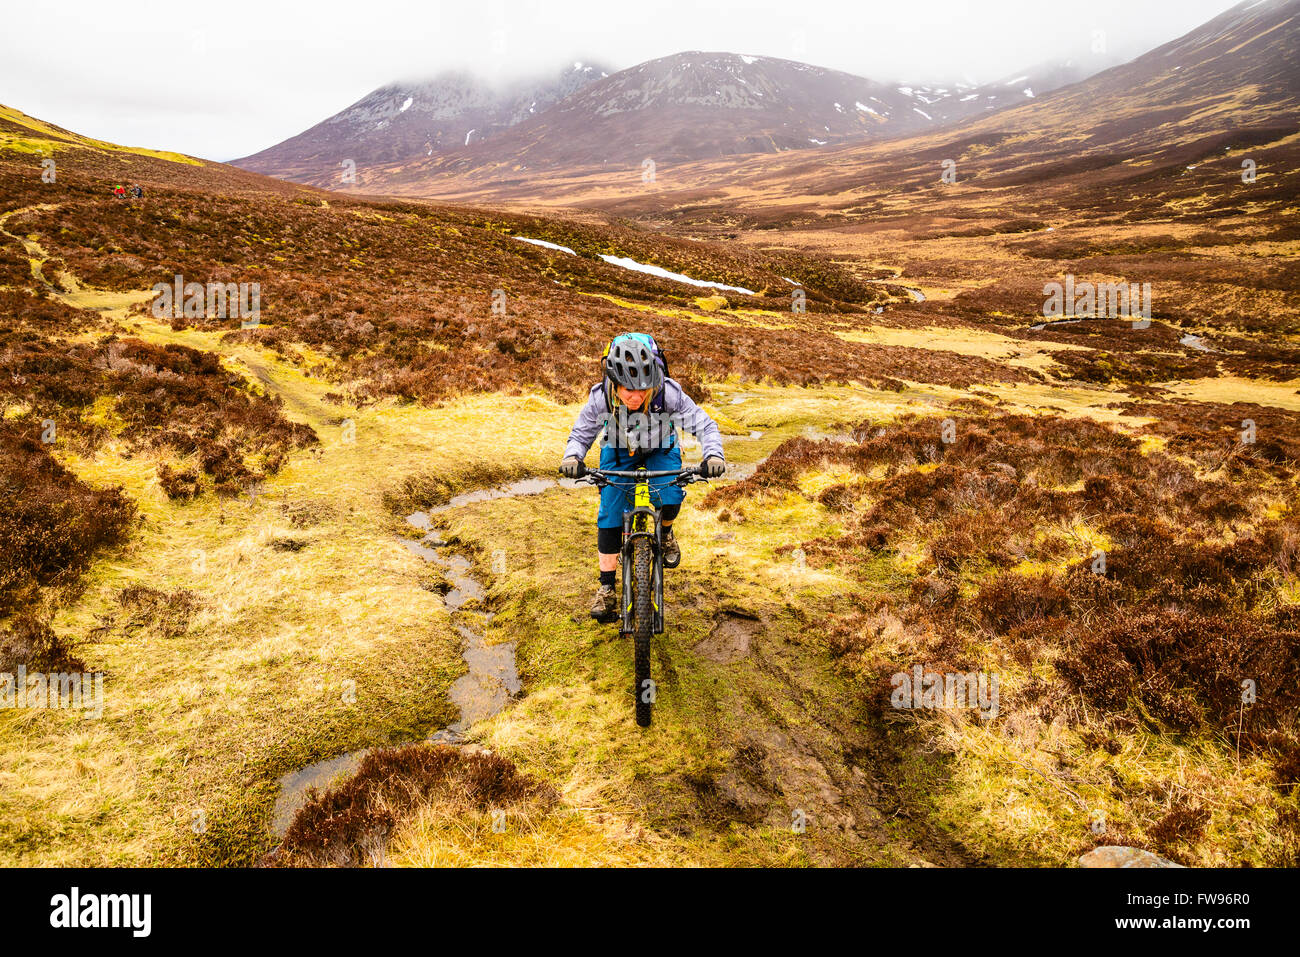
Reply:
x=607, y=579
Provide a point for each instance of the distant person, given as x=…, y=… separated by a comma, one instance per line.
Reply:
x=119, y=192
x=636, y=380
x=136, y=191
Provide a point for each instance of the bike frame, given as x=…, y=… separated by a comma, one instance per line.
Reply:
x=644, y=521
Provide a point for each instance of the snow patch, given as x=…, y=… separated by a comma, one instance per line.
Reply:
x=1029, y=93
x=923, y=113
x=543, y=242
x=407, y=105
x=750, y=59
x=659, y=271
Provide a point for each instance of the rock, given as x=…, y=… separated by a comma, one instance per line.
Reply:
x=712, y=303
x=1116, y=856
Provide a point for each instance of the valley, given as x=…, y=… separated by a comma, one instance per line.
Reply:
x=922, y=472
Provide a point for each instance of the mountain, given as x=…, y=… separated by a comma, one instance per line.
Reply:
x=954, y=102
x=1241, y=68
x=696, y=105
x=407, y=120
x=1230, y=85
x=675, y=109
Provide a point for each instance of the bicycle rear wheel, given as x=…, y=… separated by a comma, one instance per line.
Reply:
x=643, y=623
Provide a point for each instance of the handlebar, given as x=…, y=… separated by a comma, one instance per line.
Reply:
x=641, y=473
x=684, y=476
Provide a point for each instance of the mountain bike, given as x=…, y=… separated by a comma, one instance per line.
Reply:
x=642, y=616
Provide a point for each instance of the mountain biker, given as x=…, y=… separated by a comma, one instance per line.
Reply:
x=639, y=410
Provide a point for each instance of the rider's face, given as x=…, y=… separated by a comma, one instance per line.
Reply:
x=632, y=398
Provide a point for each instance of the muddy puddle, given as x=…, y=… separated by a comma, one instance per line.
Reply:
x=1053, y=323
x=527, y=486
x=491, y=679
x=891, y=284
x=1188, y=339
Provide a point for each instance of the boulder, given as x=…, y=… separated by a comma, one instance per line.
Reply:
x=1116, y=856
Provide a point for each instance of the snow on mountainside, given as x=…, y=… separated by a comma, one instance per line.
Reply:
x=406, y=120
x=693, y=105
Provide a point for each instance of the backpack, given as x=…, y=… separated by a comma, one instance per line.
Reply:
x=656, y=400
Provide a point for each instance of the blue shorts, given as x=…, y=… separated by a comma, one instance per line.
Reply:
x=615, y=499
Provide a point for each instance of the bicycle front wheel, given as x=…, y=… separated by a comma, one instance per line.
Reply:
x=643, y=624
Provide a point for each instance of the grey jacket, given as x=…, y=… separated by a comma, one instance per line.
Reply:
x=679, y=409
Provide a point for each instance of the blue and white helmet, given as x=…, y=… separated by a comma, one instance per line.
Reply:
x=631, y=361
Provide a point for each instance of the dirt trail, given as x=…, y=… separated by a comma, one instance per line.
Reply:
x=36, y=255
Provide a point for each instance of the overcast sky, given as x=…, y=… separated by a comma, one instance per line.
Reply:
x=225, y=79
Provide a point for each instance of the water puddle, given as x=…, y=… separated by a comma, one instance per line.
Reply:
x=527, y=486
x=1196, y=342
x=492, y=677
x=914, y=294
x=294, y=786
x=1053, y=323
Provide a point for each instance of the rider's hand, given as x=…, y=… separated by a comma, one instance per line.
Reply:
x=713, y=467
x=572, y=467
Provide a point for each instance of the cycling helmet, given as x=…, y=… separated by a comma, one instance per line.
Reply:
x=631, y=363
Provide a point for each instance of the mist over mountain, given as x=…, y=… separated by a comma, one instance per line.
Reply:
x=413, y=118
x=688, y=106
